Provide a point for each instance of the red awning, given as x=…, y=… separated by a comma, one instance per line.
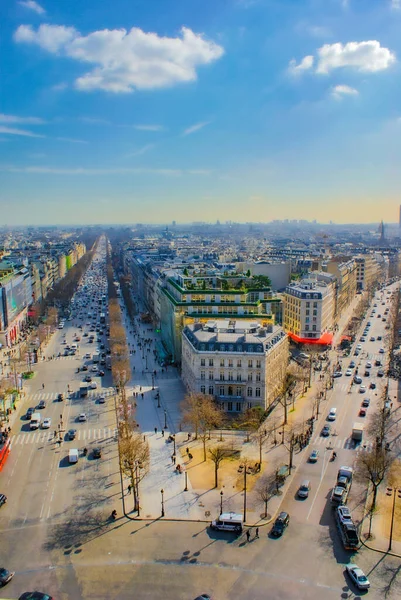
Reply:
x=325, y=340
x=346, y=337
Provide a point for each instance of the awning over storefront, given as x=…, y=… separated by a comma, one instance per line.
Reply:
x=325, y=340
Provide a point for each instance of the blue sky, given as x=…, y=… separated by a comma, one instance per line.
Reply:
x=161, y=110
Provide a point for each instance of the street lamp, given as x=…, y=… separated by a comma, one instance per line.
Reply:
x=174, y=441
x=165, y=419
x=392, y=491
x=153, y=382
x=162, y=493
x=221, y=502
x=186, y=482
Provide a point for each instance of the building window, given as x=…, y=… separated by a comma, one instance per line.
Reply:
x=221, y=376
x=258, y=376
x=258, y=364
x=238, y=363
x=210, y=362
x=307, y=304
x=239, y=378
x=249, y=392
x=230, y=363
x=257, y=392
x=202, y=374
x=306, y=327
x=238, y=407
x=221, y=390
x=211, y=390
x=313, y=327
x=221, y=362
x=249, y=405
x=203, y=389
x=239, y=391
x=250, y=364
x=229, y=406
x=307, y=312
x=211, y=375
x=203, y=362
x=230, y=376
x=250, y=376
x=315, y=305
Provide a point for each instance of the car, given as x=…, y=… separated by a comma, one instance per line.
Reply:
x=378, y=363
x=94, y=368
x=82, y=417
x=358, y=576
x=362, y=389
x=368, y=365
x=356, y=353
x=366, y=374
x=326, y=430
x=352, y=364
x=3, y=499
x=42, y=404
x=379, y=338
x=366, y=402
x=97, y=453
x=60, y=397
x=380, y=373
x=101, y=400
x=35, y=596
x=280, y=524
x=30, y=412
x=5, y=576
x=203, y=597
x=101, y=373
x=93, y=385
x=86, y=334
x=46, y=423
x=372, y=385
x=337, y=374
x=362, y=412
x=71, y=434
x=348, y=372
x=344, y=514
x=88, y=379
x=357, y=379
x=378, y=316
x=84, y=368
x=314, y=456
x=381, y=351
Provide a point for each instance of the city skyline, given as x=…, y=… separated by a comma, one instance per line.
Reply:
x=247, y=110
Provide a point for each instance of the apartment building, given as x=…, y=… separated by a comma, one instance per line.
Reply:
x=240, y=363
x=345, y=271
x=309, y=307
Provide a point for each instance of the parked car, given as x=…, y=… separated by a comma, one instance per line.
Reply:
x=82, y=417
x=97, y=453
x=46, y=423
x=358, y=576
x=280, y=524
x=3, y=499
x=326, y=431
x=42, y=404
x=35, y=596
x=5, y=576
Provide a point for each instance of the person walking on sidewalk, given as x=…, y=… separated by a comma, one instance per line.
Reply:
x=248, y=535
x=257, y=533
x=155, y=429
x=129, y=489
x=162, y=432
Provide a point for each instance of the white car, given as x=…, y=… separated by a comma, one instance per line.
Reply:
x=344, y=514
x=368, y=365
x=348, y=372
x=46, y=423
x=362, y=389
x=93, y=385
x=381, y=351
x=94, y=368
x=358, y=577
x=82, y=417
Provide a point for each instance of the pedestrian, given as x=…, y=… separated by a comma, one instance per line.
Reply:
x=257, y=533
x=142, y=395
x=129, y=489
x=162, y=432
x=187, y=450
x=189, y=436
x=155, y=429
x=43, y=386
x=248, y=535
x=173, y=459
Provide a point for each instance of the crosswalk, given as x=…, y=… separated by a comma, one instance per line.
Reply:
x=334, y=442
x=50, y=396
x=43, y=437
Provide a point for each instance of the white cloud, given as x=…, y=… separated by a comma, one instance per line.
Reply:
x=94, y=121
x=339, y=91
x=59, y=87
x=149, y=127
x=124, y=61
x=97, y=171
x=396, y=4
x=17, y=131
x=365, y=57
x=14, y=119
x=305, y=64
x=32, y=5
x=195, y=127
x=72, y=140
x=140, y=151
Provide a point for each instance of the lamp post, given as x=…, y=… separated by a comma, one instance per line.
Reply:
x=394, y=492
x=162, y=493
x=245, y=493
x=165, y=419
x=186, y=482
x=174, y=441
x=153, y=382
x=221, y=502
x=158, y=399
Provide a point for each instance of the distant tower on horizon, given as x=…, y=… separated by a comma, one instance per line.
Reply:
x=381, y=231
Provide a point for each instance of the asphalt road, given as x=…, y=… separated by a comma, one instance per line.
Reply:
x=56, y=534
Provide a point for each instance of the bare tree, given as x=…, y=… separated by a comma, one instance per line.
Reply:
x=201, y=412
x=372, y=467
x=250, y=420
x=217, y=455
x=134, y=459
x=290, y=441
x=266, y=488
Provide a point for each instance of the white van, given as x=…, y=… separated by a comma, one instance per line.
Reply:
x=74, y=347
x=229, y=522
x=73, y=455
x=332, y=414
x=35, y=421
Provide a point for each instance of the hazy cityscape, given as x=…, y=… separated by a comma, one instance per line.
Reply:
x=200, y=306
